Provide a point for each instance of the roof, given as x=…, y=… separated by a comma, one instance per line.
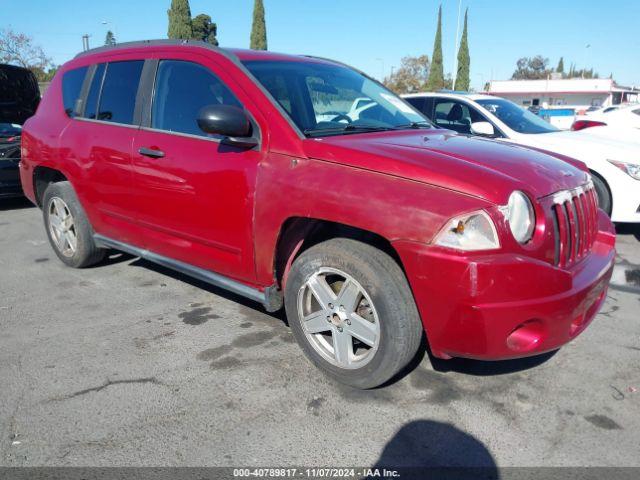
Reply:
x=240, y=54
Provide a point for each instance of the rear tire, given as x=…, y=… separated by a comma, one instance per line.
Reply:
x=604, y=196
x=352, y=312
x=68, y=228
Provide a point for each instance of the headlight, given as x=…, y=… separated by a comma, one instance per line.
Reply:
x=521, y=217
x=630, y=169
x=473, y=231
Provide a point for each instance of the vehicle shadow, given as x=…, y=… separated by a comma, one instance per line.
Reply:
x=429, y=449
x=628, y=229
x=468, y=366
x=140, y=262
x=480, y=368
x=17, y=203
x=458, y=365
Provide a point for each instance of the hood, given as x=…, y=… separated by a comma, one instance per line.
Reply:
x=483, y=168
x=584, y=145
x=19, y=94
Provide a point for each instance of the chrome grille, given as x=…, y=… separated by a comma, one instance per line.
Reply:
x=575, y=216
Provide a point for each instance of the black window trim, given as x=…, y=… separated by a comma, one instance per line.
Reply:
x=149, y=82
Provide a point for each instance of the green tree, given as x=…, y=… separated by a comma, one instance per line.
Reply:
x=19, y=49
x=180, y=20
x=411, y=77
x=532, y=68
x=464, y=61
x=436, y=73
x=110, y=39
x=560, y=67
x=204, y=29
x=259, y=27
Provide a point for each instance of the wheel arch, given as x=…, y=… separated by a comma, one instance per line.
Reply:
x=42, y=177
x=606, y=184
x=298, y=234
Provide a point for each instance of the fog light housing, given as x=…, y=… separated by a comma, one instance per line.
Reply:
x=526, y=336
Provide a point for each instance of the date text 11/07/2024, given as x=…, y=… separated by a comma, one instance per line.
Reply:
x=342, y=473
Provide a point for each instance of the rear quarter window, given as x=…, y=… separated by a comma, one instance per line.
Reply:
x=119, y=90
x=71, y=87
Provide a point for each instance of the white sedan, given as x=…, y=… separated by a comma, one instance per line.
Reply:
x=615, y=165
x=621, y=123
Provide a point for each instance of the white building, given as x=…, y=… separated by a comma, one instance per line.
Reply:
x=577, y=94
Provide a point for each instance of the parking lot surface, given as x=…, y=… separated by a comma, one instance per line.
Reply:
x=128, y=364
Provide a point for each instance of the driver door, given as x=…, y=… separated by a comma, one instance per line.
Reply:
x=194, y=193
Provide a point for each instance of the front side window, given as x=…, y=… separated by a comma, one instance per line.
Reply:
x=455, y=115
x=71, y=86
x=119, y=90
x=326, y=99
x=516, y=118
x=182, y=89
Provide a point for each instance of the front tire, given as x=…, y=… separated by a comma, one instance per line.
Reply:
x=604, y=196
x=68, y=228
x=352, y=312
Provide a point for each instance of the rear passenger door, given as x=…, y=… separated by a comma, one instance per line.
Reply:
x=97, y=142
x=194, y=194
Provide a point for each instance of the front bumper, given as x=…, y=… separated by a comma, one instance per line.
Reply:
x=501, y=306
x=10, y=185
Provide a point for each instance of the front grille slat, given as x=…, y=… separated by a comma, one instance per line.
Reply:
x=562, y=227
x=573, y=234
x=574, y=217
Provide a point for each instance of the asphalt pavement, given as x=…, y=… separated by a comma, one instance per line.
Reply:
x=129, y=364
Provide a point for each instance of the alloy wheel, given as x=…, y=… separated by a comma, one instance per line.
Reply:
x=338, y=318
x=62, y=227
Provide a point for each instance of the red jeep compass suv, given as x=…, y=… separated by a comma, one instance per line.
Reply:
x=268, y=175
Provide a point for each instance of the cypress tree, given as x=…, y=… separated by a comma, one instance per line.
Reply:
x=436, y=73
x=259, y=28
x=204, y=29
x=560, y=67
x=180, y=20
x=464, y=61
x=110, y=39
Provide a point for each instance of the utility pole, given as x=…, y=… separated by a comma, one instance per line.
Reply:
x=85, y=42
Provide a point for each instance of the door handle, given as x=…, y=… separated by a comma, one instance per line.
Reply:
x=151, y=152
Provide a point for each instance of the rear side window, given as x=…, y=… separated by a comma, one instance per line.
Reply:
x=182, y=89
x=93, y=96
x=119, y=89
x=71, y=86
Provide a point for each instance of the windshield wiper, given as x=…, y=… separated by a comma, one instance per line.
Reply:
x=414, y=125
x=349, y=128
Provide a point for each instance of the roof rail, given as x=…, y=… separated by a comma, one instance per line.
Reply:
x=149, y=43
x=456, y=92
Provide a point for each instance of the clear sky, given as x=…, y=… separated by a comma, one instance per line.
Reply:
x=372, y=35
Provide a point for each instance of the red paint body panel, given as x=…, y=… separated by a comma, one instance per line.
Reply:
x=223, y=209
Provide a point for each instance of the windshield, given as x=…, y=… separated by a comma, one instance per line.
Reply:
x=324, y=99
x=516, y=118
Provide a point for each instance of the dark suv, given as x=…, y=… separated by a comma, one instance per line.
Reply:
x=19, y=98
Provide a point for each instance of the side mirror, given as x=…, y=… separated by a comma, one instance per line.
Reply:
x=230, y=122
x=483, y=128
